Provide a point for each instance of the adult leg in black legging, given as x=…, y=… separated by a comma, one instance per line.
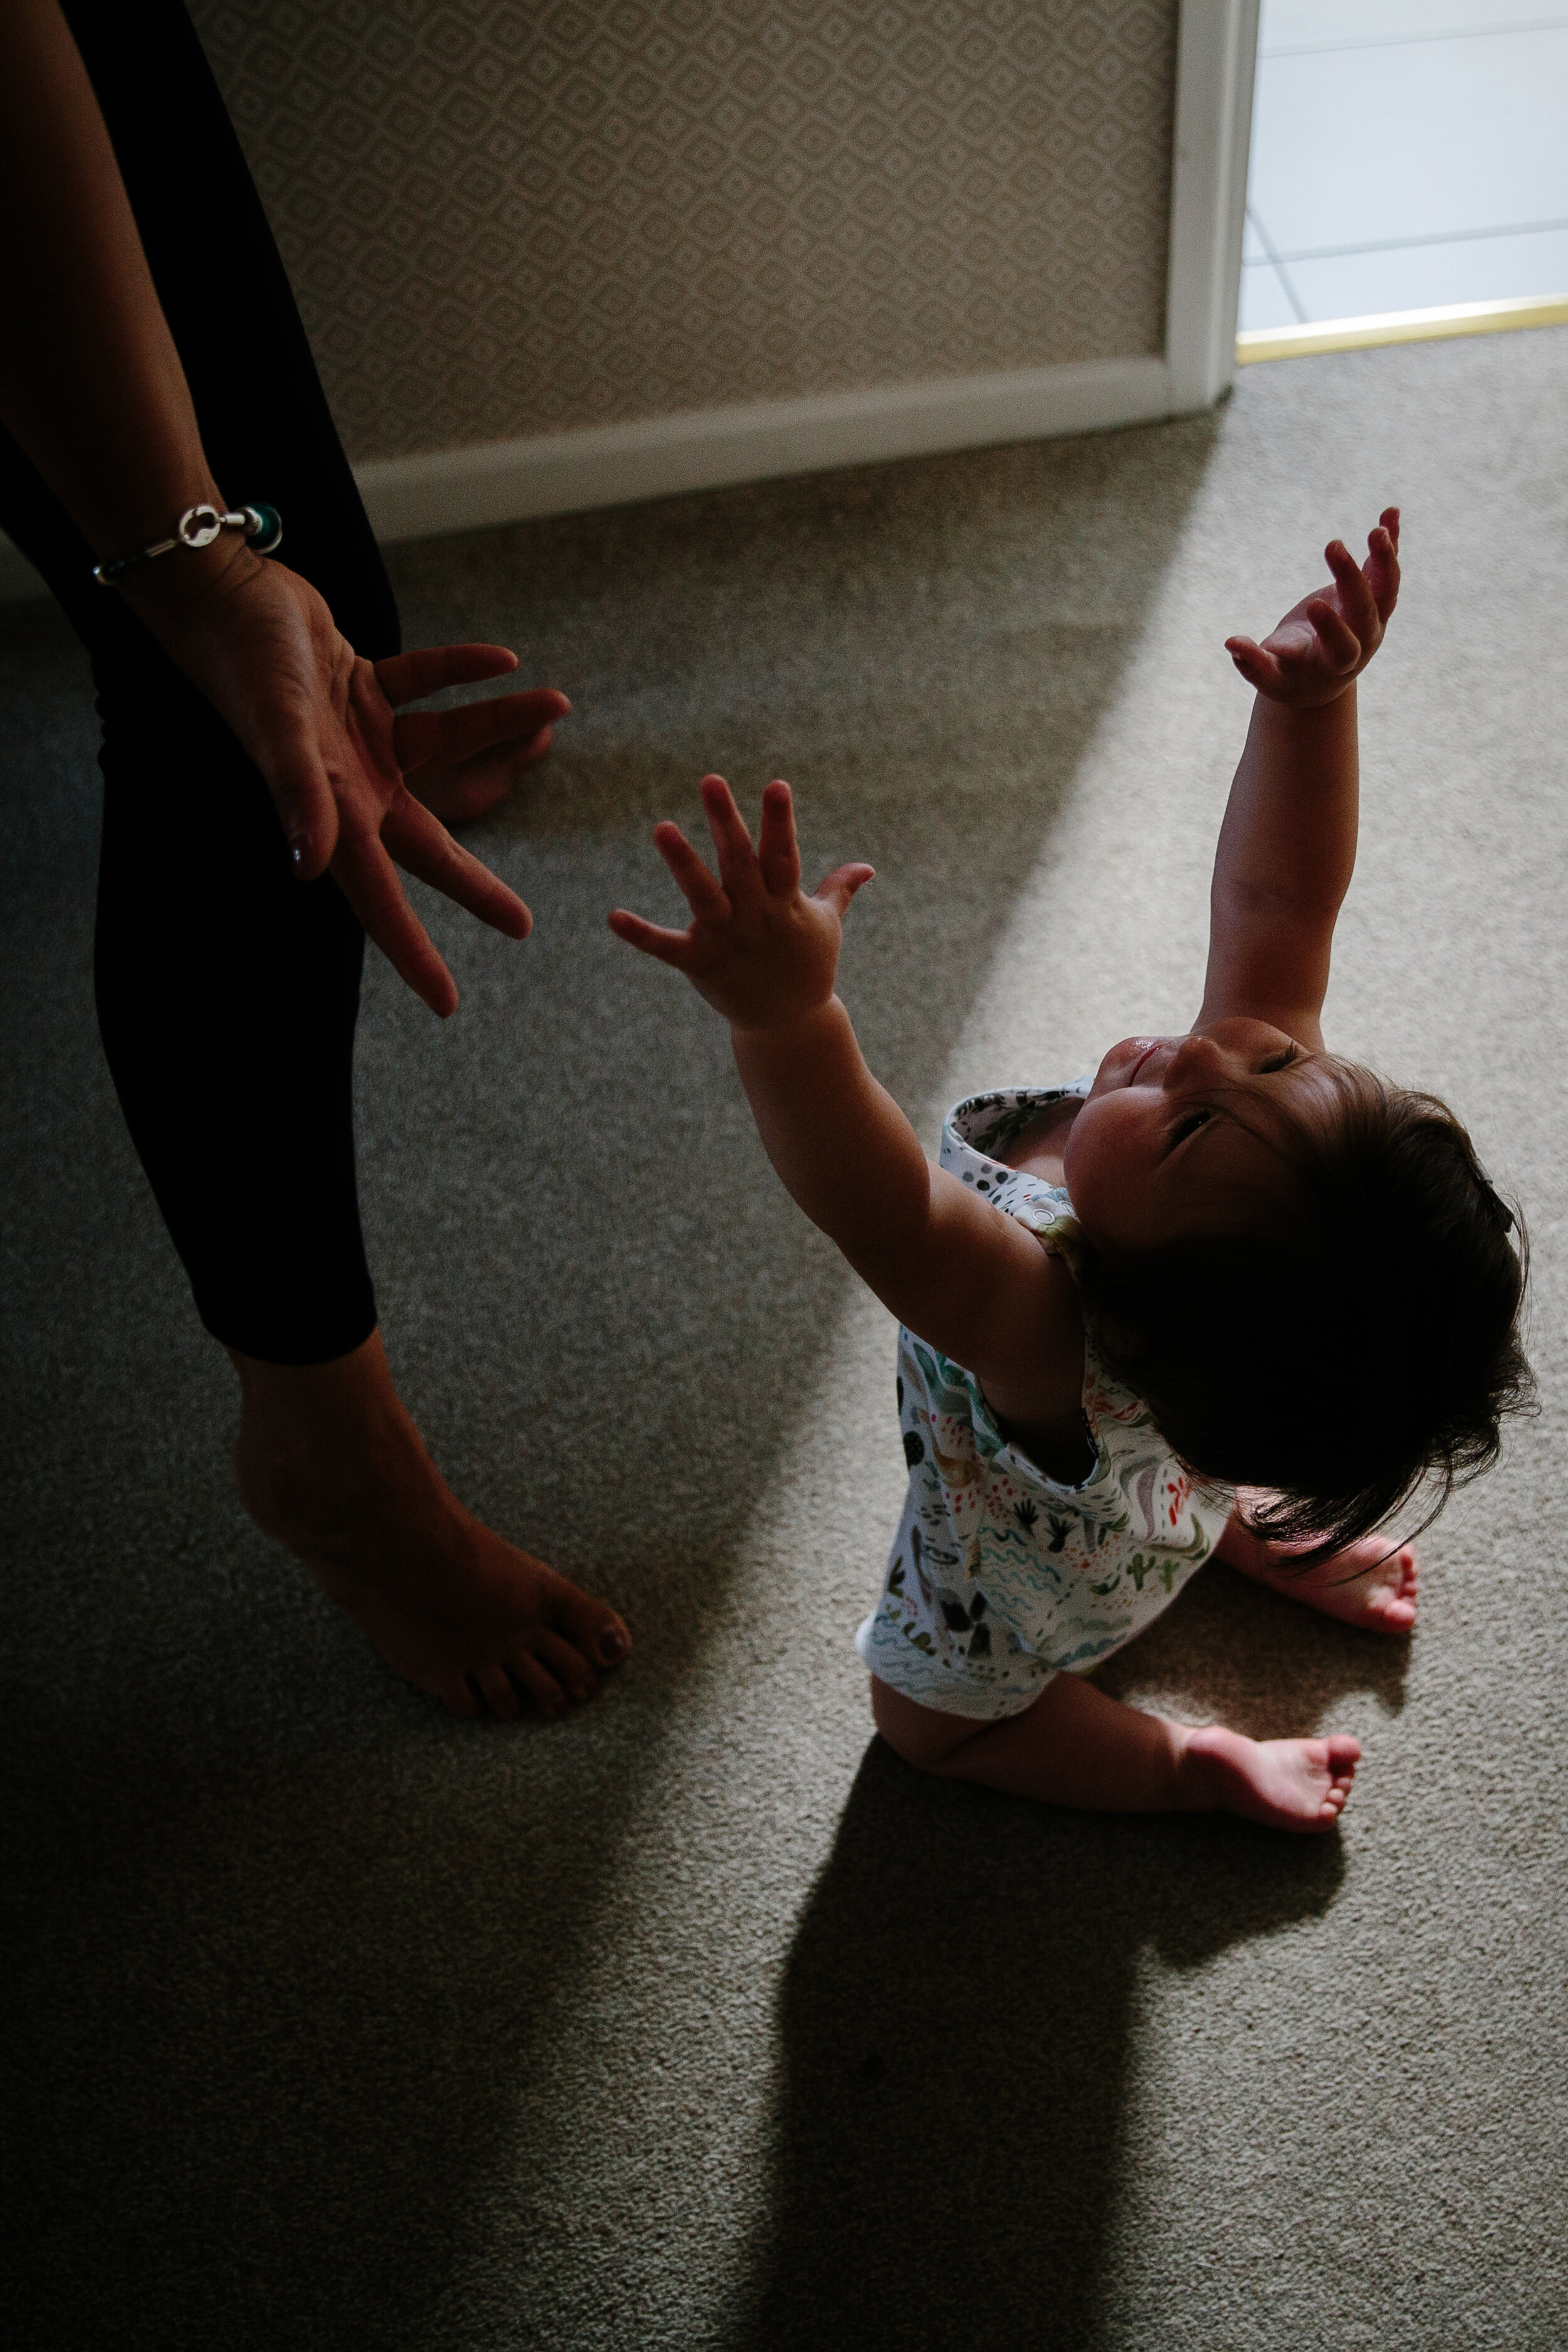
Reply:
x=227, y=992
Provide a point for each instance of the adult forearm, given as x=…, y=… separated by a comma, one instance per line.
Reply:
x=841, y=1146
x=91, y=384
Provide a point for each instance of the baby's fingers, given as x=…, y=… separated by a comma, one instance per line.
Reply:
x=836, y=889
x=1260, y=669
x=704, y=896
x=1383, y=562
x=778, y=851
x=1338, y=639
x=1356, y=599
x=737, y=858
x=651, y=939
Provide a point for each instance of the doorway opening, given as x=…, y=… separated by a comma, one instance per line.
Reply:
x=1408, y=174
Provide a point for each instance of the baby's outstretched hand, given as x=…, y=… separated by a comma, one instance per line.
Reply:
x=757, y=948
x=1327, y=639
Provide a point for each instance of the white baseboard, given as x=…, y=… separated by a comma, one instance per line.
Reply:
x=612, y=465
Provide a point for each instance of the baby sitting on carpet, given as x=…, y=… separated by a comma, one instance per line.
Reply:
x=1231, y=1296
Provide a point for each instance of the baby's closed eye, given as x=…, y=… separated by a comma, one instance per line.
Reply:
x=1188, y=1124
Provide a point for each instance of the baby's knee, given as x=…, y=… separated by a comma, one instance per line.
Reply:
x=920, y=1735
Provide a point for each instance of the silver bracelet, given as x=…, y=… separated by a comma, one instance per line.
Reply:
x=199, y=526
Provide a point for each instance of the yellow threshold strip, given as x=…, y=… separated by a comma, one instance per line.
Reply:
x=1401, y=327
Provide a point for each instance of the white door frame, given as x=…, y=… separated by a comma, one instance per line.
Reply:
x=555, y=473
x=1216, y=66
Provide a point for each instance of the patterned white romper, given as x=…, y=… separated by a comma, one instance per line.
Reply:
x=1000, y=1577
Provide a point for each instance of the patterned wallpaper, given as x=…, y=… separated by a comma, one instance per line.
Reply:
x=505, y=219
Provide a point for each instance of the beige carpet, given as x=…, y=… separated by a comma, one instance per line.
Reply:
x=700, y=2021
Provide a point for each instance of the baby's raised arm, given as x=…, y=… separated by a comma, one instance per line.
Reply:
x=1286, y=848
x=765, y=956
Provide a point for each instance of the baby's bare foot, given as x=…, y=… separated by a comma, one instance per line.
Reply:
x=1370, y=1584
x=1287, y=1784
x=329, y=1462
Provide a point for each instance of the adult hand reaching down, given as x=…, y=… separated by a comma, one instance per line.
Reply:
x=324, y=728
x=94, y=391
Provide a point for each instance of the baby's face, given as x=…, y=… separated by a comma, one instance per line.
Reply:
x=1183, y=1138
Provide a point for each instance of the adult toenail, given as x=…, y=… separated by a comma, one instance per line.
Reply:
x=614, y=1644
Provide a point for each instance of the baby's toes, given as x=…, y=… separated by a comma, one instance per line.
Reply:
x=1393, y=1604
x=1336, y=1796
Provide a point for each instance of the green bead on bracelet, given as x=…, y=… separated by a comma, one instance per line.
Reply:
x=199, y=526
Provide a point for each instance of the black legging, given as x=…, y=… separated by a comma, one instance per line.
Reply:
x=227, y=991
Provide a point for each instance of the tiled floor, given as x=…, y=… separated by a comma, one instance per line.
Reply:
x=1404, y=154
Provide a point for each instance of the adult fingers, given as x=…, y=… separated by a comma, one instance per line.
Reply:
x=404, y=677
x=459, y=794
x=737, y=860
x=836, y=889
x=1339, y=640
x=778, y=850
x=368, y=880
x=704, y=896
x=421, y=842
x=301, y=793
x=450, y=736
x=651, y=939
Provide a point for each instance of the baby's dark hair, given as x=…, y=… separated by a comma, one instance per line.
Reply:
x=1374, y=1353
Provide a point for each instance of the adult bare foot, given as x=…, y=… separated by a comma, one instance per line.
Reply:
x=1370, y=1584
x=329, y=1461
x=1287, y=1784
